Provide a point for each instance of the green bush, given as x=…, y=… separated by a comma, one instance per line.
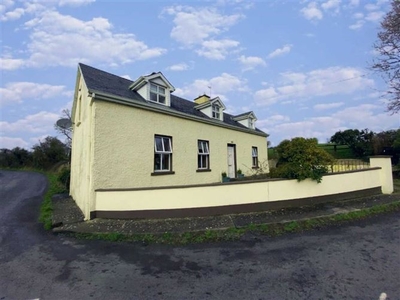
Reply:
x=64, y=177
x=301, y=158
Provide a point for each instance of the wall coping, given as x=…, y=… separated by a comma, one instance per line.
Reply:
x=222, y=183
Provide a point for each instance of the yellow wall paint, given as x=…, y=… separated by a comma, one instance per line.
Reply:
x=231, y=194
x=124, y=148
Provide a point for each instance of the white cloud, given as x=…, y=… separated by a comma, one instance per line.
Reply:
x=11, y=142
x=280, y=51
x=74, y=2
x=359, y=24
x=15, y=92
x=325, y=106
x=371, y=6
x=358, y=15
x=354, y=3
x=7, y=63
x=320, y=82
x=200, y=27
x=217, y=49
x=332, y=5
x=12, y=15
x=179, y=67
x=220, y=85
x=194, y=25
x=62, y=40
x=374, y=16
x=41, y=122
x=251, y=62
x=126, y=77
x=312, y=12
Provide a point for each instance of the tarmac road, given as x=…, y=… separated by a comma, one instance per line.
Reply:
x=354, y=261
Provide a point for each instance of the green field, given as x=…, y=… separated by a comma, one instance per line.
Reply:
x=342, y=151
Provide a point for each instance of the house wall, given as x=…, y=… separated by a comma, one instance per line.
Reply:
x=124, y=148
x=245, y=195
x=81, y=151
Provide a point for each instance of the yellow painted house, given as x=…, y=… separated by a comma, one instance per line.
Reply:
x=137, y=135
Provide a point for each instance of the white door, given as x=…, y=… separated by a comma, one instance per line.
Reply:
x=231, y=161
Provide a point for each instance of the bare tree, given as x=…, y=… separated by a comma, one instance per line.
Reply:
x=67, y=132
x=388, y=61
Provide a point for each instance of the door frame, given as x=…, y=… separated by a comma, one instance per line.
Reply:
x=234, y=158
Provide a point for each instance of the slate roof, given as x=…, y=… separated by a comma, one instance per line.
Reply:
x=101, y=81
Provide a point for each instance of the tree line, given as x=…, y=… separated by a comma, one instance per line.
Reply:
x=44, y=155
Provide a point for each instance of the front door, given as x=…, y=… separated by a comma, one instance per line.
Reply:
x=231, y=161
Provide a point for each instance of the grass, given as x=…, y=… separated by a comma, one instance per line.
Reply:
x=236, y=233
x=396, y=185
x=342, y=151
x=46, y=208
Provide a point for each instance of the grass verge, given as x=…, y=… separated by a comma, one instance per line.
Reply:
x=236, y=233
x=46, y=208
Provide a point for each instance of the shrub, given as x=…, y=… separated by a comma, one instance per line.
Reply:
x=64, y=177
x=301, y=158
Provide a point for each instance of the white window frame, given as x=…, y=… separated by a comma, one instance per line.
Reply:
x=254, y=157
x=216, y=111
x=160, y=91
x=203, y=150
x=164, y=152
x=251, y=123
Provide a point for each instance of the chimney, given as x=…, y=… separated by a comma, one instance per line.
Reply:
x=202, y=99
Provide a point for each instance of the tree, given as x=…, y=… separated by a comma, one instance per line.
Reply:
x=67, y=132
x=359, y=141
x=49, y=152
x=15, y=158
x=388, y=62
x=301, y=158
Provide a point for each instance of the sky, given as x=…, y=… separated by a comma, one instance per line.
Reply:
x=302, y=66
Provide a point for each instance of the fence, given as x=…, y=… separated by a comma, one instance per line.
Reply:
x=343, y=165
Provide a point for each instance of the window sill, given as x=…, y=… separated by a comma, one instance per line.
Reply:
x=162, y=173
x=203, y=170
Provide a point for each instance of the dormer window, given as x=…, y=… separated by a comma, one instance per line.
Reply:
x=216, y=111
x=157, y=93
x=251, y=123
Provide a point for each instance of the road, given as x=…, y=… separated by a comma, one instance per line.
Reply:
x=354, y=261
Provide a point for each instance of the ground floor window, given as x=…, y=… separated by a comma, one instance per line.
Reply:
x=203, y=155
x=162, y=153
x=254, y=154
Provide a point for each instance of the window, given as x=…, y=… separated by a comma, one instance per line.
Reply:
x=215, y=111
x=254, y=154
x=162, y=154
x=251, y=123
x=157, y=93
x=203, y=157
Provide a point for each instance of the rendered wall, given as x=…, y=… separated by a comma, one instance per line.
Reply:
x=124, y=148
x=233, y=194
x=81, y=152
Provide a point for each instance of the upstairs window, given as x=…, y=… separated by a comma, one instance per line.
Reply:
x=254, y=154
x=216, y=111
x=203, y=155
x=251, y=123
x=162, y=154
x=157, y=93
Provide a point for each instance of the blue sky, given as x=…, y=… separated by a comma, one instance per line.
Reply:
x=301, y=66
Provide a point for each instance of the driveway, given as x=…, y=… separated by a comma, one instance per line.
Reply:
x=353, y=261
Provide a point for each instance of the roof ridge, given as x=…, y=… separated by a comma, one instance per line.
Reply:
x=102, y=71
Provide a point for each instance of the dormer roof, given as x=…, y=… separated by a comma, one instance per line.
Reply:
x=142, y=80
x=215, y=100
x=244, y=116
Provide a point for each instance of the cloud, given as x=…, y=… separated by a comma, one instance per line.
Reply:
x=15, y=92
x=316, y=83
x=251, y=62
x=331, y=5
x=34, y=6
x=179, y=67
x=217, y=49
x=375, y=16
x=280, y=51
x=325, y=106
x=220, y=85
x=374, y=12
x=62, y=40
x=11, y=142
x=200, y=27
x=41, y=122
x=312, y=12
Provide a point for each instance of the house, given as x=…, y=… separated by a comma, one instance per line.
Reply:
x=137, y=135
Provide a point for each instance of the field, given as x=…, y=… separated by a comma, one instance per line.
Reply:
x=340, y=152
